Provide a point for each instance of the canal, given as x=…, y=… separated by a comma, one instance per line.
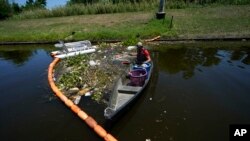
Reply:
x=197, y=90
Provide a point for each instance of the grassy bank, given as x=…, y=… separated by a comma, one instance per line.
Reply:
x=118, y=6
x=216, y=21
x=89, y=9
x=220, y=21
x=94, y=27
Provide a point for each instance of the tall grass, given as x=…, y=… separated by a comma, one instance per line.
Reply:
x=82, y=9
x=178, y=4
x=122, y=6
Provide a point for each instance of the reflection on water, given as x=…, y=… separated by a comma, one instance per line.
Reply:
x=18, y=55
x=188, y=60
x=242, y=56
x=196, y=91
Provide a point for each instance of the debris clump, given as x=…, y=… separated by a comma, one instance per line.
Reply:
x=93, y=74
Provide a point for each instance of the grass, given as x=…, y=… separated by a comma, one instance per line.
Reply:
x=82, y=9
x=107, y=6
x=216, y=21
x=95, y=27
x=212, y=21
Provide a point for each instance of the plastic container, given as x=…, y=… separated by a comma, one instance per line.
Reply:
x=146, y=66
x=138, y=77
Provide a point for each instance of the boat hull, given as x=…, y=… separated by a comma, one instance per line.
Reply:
x=125, y=97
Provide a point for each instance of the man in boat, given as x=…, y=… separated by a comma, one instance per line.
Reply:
x=143, y=55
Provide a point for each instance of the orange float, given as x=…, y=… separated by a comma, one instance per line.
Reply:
x=81, y=114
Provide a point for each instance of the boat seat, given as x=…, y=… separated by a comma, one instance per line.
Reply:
x=128, y=89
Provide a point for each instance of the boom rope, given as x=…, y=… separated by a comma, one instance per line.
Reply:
x=81, y=114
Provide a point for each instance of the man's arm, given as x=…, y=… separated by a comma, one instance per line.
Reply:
x=148, y=56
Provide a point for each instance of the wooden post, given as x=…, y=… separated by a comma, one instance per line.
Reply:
x=171, y=22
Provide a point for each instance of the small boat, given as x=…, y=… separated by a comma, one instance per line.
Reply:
x=126, y=90
x=73, y=49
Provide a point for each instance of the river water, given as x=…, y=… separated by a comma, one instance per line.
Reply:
x=197, y=90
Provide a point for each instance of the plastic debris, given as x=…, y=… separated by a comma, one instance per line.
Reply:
x=77, y=99
x=92, y=63
x=131, y=47
x=98, y=62
x=144, y=65
x=59, y=45
x=95, y=47
x=158, y=120
x=73, y=90
x=83, y=91
x=88, y=94
x=97, y=71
